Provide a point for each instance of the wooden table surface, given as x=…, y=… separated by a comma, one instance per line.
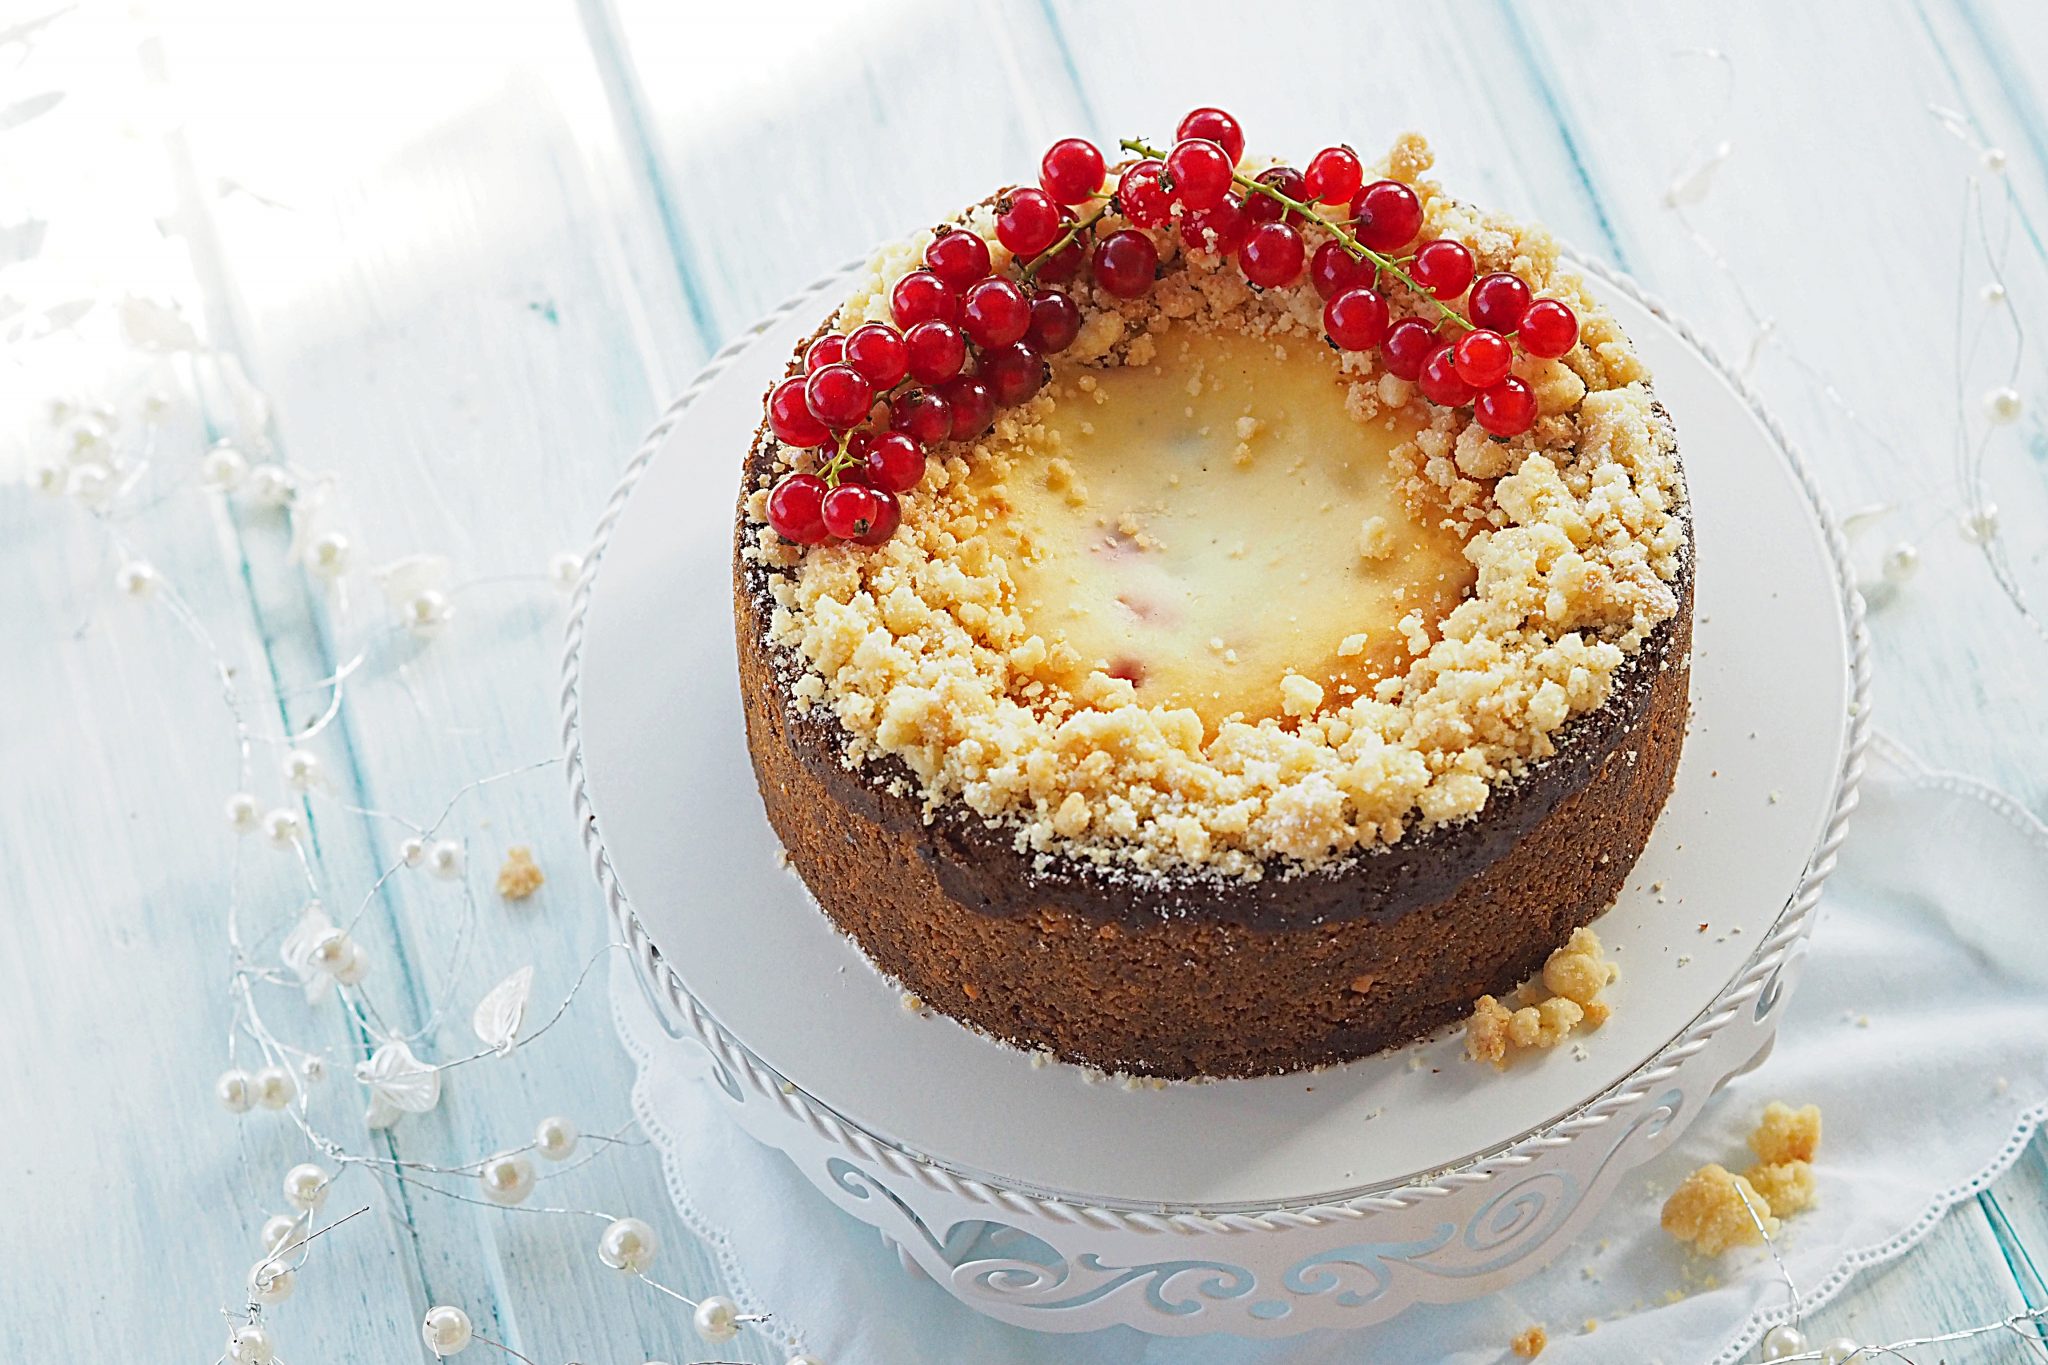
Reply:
x=468, y=250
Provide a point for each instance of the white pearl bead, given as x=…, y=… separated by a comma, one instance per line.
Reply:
x=1900, y=563
x=412, y=852
x=1994, y=293
x=556, y=1138
x=564, y=570
x=251, y=1344
x=305, y=1187
x=270, y=485
x=446, y=1330
x=507, y=1179
x=234, y=1091
x=2003, y=405
x=272, y=1282
x=1994, y=160
x=428, y=611
x=223, y=468
x=282, y=827
x=445, y=859
x=313, y=1069
x=1783, y=1340
x=628, y=1245
x=281, y=1232
x=714, y=1319
x=91, y=483
x=138, y=579
x=355, y=969
x=328, y=555
x=1982, y=524
x=333, y=950
x=275, y=1087
x=1840, y=1351
x=301, y=768
x=242, y=813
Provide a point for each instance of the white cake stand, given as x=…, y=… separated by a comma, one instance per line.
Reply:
x=1054, y=1199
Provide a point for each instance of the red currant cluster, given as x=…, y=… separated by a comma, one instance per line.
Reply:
x=966, y=341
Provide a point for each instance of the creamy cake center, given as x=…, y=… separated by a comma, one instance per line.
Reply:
x=1207, y=523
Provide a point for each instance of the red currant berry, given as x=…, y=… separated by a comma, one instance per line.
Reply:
x=1332, y=270
x=922, y=414
x=1443, y=267
x=1272, y=255
x=1029, y=224
x=888, y=515
x=1072, y=170
x=1125, y=263
x=1055, y=322
x=1214, y=126
x=789, y=416
x=1408, y=344
x=995, y=313
x=973, y=405
x=1548, y=329
x=921, y=295
x=1498, y=301
x=1220, y=230
x=828, y=349
x=1334, y=175
x=1141, y=196
x=839, y=396
x=1506, y=409
x=934, y=351
x=795, y=508
x=1389, y=215
x=850, y=510
x=893, y=461
x=1483, y=358
x=1439, y=380
x=1062, y=265
x=878, y=352
x=1013, y=373
x=958, y=258
x=1200, y=171
x=1262, y=208
x=1356, y=319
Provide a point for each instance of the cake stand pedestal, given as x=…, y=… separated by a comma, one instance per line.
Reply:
x=1061, y=1200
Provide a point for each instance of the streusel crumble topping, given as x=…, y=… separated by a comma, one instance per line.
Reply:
x=1573, y=533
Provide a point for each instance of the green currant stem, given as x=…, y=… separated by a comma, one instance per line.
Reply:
x=1067, y=238
x=1334, y=226
x=839, y=462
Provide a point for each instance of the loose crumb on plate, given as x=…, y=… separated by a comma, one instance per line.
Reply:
x=1575, y=975
x=1531, y=1342
x=520, y=876
x=1713, y=1209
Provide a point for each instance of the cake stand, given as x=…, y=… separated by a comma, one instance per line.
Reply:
x=1062, y=1200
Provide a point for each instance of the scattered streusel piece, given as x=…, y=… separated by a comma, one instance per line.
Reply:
x=1787, y=1186
x=1786, y=1134
x=520, y=877
x=1531, y=1342
x=1575, y=975
x=1486, y=1032
x=1713, y=1210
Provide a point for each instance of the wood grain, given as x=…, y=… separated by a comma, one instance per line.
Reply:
x=469, y=249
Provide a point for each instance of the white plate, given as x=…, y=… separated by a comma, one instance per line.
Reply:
x=655, y=734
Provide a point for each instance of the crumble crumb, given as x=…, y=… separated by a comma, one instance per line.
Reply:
x=912, y=1003
x=1785, y=1133
x=1575, y=974
x=1711, y=1211
x=1787, y=1186
x=520, y=876
x=1530, y=1343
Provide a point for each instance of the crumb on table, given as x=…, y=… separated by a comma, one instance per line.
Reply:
x=1574, y=975
x=1786, y=1134
x=520, y=876
x=1713, y=1210
x=1531, y=1342
x=1787, y=1186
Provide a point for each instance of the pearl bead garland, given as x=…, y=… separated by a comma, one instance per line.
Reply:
x=270, y=485
x=446, y=1329
x=328, y=555
x=1901, y=562
x=565, y=570
x=223, y=468
x=556, y=1138
x=428, y=611
x=272, y=1282
x=445, y=860
x=714, y=1319
x=234, y=1091
x=1994, y=293
x=280, y=1233
x=507, y=1179
x=628, y=1245
x=2004, y=405
x=275, y=1087
x=313, y=1069
x=242, y=813
x=301, y=769
x=1994, y=160
x=251, y=1344
x=282, y=827
x=138, y=579
x=1840, y=1351
x=305, y=1187
x=412, y=852
x=1783, y=1340
x=1981, y=525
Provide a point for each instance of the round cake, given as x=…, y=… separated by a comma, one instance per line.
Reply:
x=1202, y=618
